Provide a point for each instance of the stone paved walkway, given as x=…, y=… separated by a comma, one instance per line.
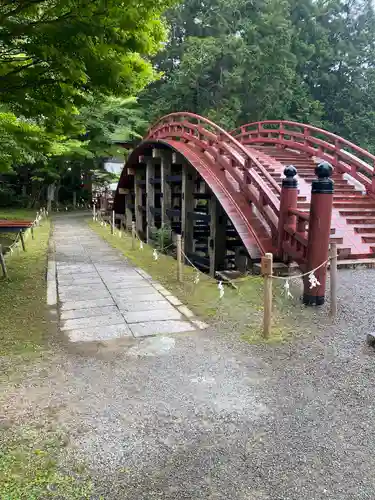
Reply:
x=102, y=296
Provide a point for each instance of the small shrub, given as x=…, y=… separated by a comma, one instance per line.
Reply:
x=162, y=238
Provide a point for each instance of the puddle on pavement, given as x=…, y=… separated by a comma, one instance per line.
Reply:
x=152, y=346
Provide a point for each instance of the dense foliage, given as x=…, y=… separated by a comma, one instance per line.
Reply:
x=242, y=60
x=64, y=63
x=69, y=69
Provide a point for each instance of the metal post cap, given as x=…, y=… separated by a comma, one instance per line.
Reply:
x=323, y=184
x=324, y=170
x=290, y=171
x=289, y=181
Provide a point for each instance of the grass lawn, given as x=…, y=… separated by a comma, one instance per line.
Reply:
x=18, y=214
x=240, y=311
x=29, y=449
x=23, y=314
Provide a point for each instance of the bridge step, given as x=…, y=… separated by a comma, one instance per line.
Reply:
x=354, y=213
x=361, y=220
x=368, y=239
x=365, y=229
x=353, y=204
x=352, y=208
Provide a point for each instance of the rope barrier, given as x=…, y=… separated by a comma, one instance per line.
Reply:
x=300, y=275
x=312, y=278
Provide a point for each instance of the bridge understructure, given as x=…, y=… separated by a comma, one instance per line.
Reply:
x=165, y=191
x=227, y=195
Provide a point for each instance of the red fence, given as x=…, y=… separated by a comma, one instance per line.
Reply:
x=342, y=154
x=226, y=154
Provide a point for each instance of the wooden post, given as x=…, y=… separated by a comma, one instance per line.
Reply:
x=113, y=223
x=2, y=262
x=22, y=241
x=266, y=266
x=150, y=198
x=133, y=235
x=217, y=239
x=319, y=233
x=179, y=257
x=32, y=232
x=94, y=212
x=333, y=279
x=288, y=200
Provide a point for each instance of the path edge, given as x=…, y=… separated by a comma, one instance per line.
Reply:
x=51, y=272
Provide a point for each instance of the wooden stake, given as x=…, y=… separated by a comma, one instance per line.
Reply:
x=113, y=223
x=94, y=212
x=179, y=258
x=333, y=279
x=32, y=232
x=133, y=235
x=22, y=241
x=266, y=266
x=2, y=262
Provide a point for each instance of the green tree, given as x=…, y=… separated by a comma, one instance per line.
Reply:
x=335, y=46
x=232, y=61
x=55, y=54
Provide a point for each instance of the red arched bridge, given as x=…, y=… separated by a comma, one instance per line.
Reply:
x=229, y=197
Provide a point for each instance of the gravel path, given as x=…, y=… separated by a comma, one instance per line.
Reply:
x=202, y=415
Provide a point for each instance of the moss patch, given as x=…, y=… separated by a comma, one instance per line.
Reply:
x=240, y=311
x=29, y=470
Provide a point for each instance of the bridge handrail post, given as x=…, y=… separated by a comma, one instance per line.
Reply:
x=288, y=200
x=319, y=234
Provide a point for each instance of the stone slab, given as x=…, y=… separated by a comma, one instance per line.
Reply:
x=84, y=304
x=88, y=312
x=91, y=280
x=200, y=324
x=81, y=288
x=86, y=295
x=51, y=284
x=155, y=327
x=144, y=274
x=161, y=289
x=173, y=300
x=136, y=292
x=126, y=306
x=128, y=285
x=93, y=321
x=99, y=333
x=152, y=315
x=75, y=271
x=186, y=311
x=131, y=299
x=120, y=275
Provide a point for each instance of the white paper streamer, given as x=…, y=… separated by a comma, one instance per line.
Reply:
x=287, y=290
x=221, y=289
x=313, y=280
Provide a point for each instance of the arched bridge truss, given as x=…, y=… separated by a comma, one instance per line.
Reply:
x=222, y=190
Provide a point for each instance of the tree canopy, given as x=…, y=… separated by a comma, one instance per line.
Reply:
x=238, y=61
x=68, y=72
x=56, y=53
